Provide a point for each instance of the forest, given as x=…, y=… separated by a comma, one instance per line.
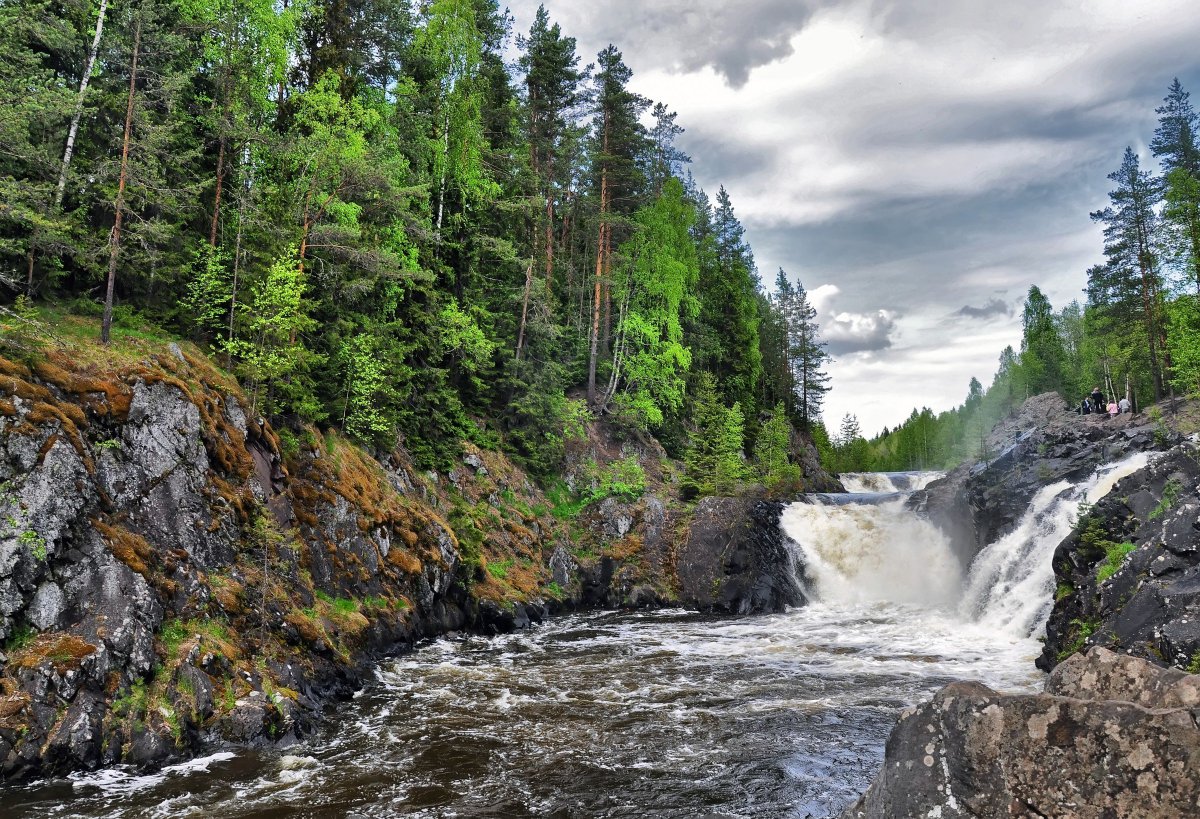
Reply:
x=1135, y=335
x=380, y=221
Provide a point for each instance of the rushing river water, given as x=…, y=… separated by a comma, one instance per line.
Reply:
x=665, y=714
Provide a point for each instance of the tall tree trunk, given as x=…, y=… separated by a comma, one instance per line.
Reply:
x=549, y=232
x=212, y=233
x=595, y=333
x=524, y=307
x=73, y=130
x=601, y=244
x=29, y=259
x=114, y=242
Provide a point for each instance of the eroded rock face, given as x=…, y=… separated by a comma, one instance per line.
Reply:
x=1112, y=736
x=735, y=560
x=1129, y=576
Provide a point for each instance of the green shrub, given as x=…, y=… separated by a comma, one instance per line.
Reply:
x=1114, y=555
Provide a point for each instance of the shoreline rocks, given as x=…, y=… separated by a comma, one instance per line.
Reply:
x=1110, y=736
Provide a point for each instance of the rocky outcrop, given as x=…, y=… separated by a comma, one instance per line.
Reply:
x=1111, y=736
x=735, y=560
x=171, y=575
x=174, y=573
x=1043, y=443
x=1129, y=574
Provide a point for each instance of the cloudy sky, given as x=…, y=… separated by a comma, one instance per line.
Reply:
x=916, y=165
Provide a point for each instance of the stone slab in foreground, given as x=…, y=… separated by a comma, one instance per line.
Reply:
x=1113, y=736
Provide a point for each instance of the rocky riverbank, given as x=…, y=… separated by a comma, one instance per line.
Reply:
x=1110, y=736
x=175, y=573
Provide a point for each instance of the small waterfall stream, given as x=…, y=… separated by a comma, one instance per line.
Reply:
x=664, y=714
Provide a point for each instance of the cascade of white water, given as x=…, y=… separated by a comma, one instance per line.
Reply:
x=888, y=481
x=1011, y=583
x=881, y=551
x=872, y=553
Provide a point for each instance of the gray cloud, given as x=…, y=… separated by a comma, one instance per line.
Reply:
x=993, y=307
x=850, y=332
x=684, y=36
x=858, y=332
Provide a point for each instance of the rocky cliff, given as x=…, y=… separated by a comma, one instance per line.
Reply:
x=1111, y=736
x=1129, y=575
x=1043, y=443
x=174, y=573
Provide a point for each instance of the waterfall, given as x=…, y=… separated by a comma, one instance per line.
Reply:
x=868, y=547
x=887, y=482
x=1010, y=587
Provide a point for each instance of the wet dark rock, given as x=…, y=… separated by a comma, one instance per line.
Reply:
x=735, y=560
x=1111, y=736
x=1149, y=604
x=1044, y=443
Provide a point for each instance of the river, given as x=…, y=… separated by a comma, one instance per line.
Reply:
x=666, y=713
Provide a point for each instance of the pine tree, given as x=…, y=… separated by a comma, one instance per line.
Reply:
x=728, y=344
x=34, y=105
x=1175, y=138
x=1130, y=285
x=552, y=99
x=618, y=140
x=806, y=352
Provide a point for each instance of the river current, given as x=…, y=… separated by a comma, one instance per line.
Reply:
x=666, y=713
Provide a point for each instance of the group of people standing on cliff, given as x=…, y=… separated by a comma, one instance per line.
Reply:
x=1095, y=404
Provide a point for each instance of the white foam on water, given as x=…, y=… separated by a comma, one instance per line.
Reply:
x=126, y=780
x=873, y=553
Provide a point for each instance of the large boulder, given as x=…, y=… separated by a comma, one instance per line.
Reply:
x=735, y=559
x=1111, y=736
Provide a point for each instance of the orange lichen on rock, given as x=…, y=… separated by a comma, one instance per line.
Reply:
x=63, y=651
x=131, y=549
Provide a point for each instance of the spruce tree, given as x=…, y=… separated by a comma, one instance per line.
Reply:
x=1042, y=354
x=1129, y=286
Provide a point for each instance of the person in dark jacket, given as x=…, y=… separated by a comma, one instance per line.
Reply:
x=1085, y=408
x=1098, y=402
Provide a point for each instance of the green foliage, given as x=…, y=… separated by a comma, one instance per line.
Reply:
x=656, y=288
x=368, y=392
x=270, y=349
x=1193, y=667
x=714, y=461
x=1063, y=590
x=1170, y=494
x=206, y=304
x=19, y=638
x=566, y=505
x=35, y=543
x=771, y=452
x=1081, y=630
x=1115, y=554
x=499, y=569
